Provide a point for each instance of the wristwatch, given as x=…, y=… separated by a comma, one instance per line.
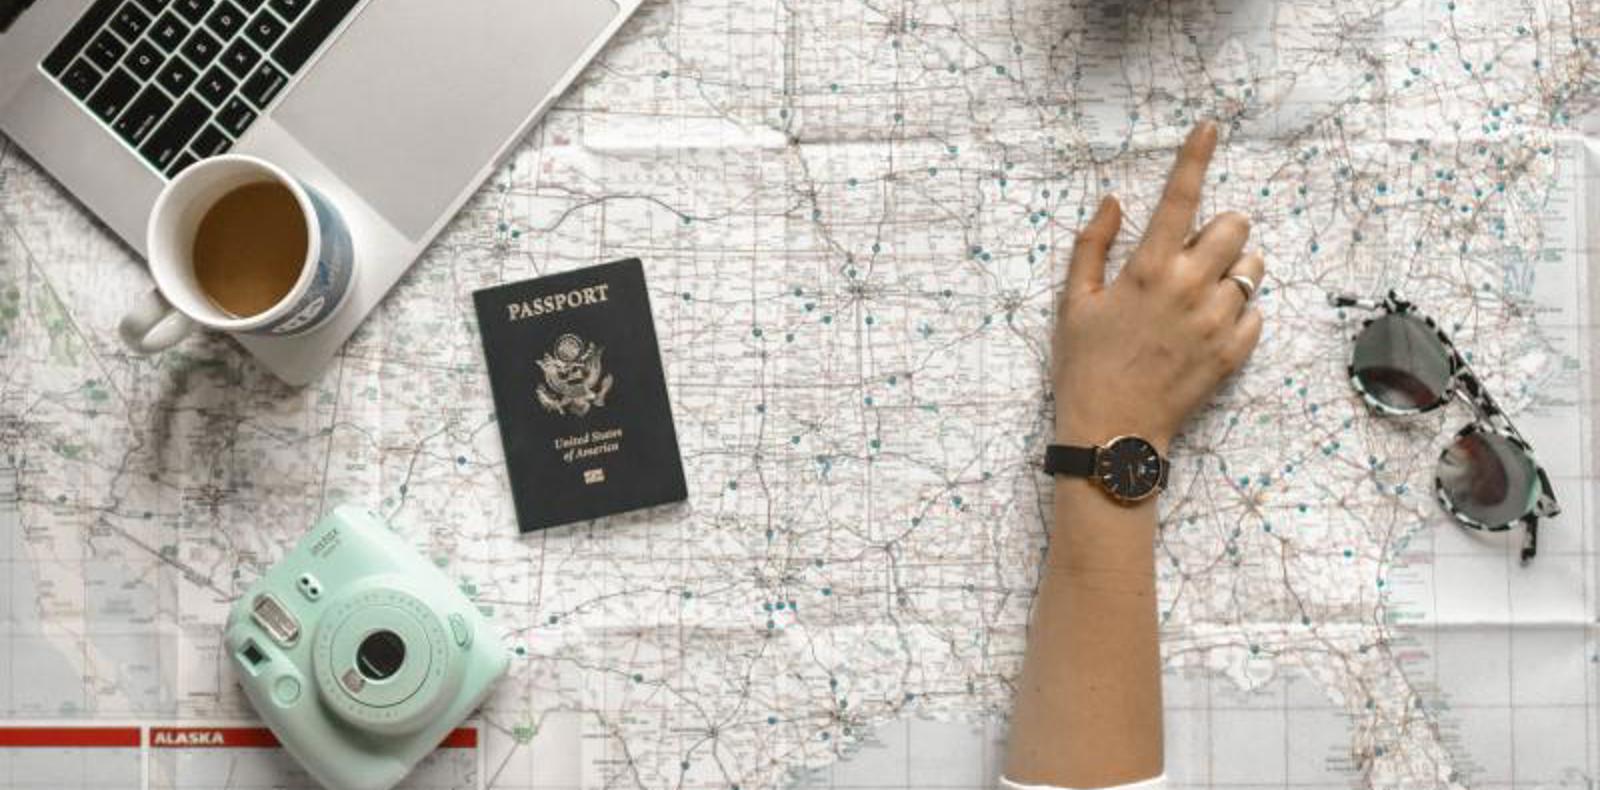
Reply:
x=1127, y=468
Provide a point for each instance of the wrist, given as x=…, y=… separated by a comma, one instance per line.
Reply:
x=1097, y=433
x=1095, y=535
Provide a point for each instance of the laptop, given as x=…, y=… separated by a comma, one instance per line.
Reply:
x=396, y=110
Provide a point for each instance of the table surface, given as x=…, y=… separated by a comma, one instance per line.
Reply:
x=849, y=215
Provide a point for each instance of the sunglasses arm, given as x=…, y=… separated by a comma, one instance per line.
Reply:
x=1546, y=505
x=1349, y=300
x=1484, y=407
x=1479, y=412
x=1392, y=302
x=1486, y=410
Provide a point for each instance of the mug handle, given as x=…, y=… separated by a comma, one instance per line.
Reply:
x=153, y=325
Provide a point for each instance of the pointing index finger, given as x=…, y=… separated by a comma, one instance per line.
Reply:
x=1174, y=215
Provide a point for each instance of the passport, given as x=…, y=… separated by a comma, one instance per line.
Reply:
x=579, y=395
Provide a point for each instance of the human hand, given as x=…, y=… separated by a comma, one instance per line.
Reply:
x=1138, y=355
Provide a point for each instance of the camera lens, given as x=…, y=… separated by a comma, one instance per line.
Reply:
x=380, y=655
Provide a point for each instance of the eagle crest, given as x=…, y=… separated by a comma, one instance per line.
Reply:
x=574, y=382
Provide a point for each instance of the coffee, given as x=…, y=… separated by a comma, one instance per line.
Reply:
x=250, y=248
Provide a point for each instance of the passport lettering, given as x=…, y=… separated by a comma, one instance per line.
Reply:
x=516, y=311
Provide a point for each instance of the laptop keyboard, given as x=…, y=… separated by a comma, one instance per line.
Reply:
x=181, y=80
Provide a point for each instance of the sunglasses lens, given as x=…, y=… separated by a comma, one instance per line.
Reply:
x=1487, y=480
x=1400, y=362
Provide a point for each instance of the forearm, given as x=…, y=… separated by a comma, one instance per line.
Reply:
x=1088, y=707
x=1132, y=357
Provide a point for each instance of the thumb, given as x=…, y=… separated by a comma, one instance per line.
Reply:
x=1087, y=270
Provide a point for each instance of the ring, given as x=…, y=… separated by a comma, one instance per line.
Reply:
x=1245, y=284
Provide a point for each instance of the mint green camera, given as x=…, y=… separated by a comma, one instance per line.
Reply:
x=359, y=654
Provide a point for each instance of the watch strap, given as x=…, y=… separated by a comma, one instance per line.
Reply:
x=1061, y=459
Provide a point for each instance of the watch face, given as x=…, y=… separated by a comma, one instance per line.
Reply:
x=1129, y=469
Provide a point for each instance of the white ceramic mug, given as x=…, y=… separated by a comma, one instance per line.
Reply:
x=163, y=316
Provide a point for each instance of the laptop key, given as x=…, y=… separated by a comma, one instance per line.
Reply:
x=263, y=85
x=215, y=86
x=169, y=32
x=225, y=20
x=113, y=95
x=249, y=5
x=130, y=22
x=141, y=116
x=154, y=6
x=265, y=29
x=175, y=133
x=144, y=60
x=106, y=50
x=81, y=78
x=193, y=10
x=318, y=24
x=201, y=48
x=176, y=76
x=240, y=58
x=79, y=36
x=236, y=117
x=290, y=10
x=181, y=163
x=210, y=142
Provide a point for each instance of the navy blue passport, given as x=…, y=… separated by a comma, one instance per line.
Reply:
x=579, y=395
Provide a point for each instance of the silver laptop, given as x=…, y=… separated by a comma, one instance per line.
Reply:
x=396, y=110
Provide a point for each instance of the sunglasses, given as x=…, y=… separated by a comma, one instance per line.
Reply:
x=1487, y=478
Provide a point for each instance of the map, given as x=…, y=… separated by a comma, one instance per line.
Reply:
x=851, y=215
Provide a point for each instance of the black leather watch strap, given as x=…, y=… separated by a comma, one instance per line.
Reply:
x=1061, y=459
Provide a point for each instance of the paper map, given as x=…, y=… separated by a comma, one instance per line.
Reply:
x=849, y=214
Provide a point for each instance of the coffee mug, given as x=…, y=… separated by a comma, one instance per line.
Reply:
x=179, y=302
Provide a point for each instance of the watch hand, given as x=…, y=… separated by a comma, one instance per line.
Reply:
x=1130, y=478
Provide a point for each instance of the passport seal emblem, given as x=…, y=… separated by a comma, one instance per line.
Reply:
x=574, y=383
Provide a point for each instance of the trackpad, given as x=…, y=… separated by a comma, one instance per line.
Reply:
x=417, y=96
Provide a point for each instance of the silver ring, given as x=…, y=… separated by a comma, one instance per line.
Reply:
x=1245, y=284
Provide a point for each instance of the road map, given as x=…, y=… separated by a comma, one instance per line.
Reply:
x=850, y=214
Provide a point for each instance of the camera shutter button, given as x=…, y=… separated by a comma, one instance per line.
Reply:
x=461, y=631
x=286, y=691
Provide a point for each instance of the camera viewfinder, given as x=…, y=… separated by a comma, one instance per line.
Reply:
x=275, y=620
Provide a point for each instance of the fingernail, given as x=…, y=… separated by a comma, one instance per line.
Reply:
x=1105, y=206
